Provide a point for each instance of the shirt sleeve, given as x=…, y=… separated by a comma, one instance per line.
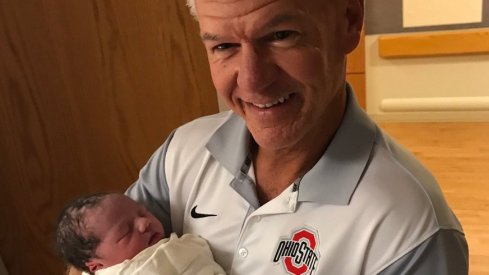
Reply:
x=151, y=188
x=444, y=253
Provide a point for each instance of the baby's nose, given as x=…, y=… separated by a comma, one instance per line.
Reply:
x=142, y=224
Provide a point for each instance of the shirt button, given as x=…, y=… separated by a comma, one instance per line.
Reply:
x=243, y=252
x=258, y=218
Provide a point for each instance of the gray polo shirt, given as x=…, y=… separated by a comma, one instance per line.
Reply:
x=366, y=207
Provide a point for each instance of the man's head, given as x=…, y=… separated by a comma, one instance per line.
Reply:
x=102, y=230
x=191, y=6
x=280, y=64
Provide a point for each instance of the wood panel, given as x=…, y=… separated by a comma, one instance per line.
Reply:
x=355, y=71
x=356, y=59
x=458, y=156
x=88, y=90
x=434, y=44
x=358, y=83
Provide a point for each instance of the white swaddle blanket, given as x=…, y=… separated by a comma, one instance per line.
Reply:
x=187, y=255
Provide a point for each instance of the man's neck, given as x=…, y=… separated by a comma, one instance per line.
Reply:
x=275, y=170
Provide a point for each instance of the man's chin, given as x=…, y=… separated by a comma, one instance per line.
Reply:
x=274, y=139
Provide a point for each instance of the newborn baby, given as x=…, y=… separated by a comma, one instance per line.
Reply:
x=106, y=234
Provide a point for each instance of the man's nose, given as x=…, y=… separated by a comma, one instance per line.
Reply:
x=256, y=69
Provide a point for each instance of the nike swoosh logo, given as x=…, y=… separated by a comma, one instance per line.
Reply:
x=197, y=215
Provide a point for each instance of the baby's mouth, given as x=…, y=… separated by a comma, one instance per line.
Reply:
x=155, y=237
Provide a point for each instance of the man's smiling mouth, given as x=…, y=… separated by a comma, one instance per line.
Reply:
x=271, y=104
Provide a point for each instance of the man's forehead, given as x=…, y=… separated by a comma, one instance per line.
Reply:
x=265, y=24
x=244, y=9
x=235, y=8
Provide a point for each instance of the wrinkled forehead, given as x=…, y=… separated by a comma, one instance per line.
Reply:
x=250, y=17
x=230, y=7
x=237, y=8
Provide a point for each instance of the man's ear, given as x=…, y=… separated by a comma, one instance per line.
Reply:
x=354, y=16
x=94, y=265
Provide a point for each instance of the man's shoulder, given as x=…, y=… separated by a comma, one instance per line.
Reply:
x=207, y=124
x=198, y=131
x=220, y=134
x=401, y=176
x=402, y=200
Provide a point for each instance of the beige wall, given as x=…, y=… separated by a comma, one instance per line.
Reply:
x=450, y=88
x=453, y=88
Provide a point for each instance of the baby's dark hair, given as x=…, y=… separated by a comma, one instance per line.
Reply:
x=74, y=245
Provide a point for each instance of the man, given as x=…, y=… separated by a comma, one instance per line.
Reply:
x=296, y=179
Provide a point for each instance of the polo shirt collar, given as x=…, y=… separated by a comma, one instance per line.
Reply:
x=335, y=176
x=230, y=143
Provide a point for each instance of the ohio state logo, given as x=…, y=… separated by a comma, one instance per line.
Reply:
x=298, y=253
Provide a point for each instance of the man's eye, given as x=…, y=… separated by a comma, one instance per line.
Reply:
x=284, y=39
x=223, y=47
x=282, y=35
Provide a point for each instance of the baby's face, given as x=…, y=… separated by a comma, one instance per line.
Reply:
x=124, y=227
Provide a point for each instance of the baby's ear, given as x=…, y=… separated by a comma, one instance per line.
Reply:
x=94, y=265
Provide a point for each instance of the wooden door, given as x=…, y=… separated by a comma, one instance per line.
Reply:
x=355, y=71
x=88, y=90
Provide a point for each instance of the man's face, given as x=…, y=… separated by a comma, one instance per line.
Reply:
x=279, y=64
x=124, y=227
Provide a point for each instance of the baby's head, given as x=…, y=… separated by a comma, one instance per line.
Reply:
x=102, y=230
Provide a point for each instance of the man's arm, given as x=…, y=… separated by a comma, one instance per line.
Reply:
x=151, y=188
x=445, y=253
